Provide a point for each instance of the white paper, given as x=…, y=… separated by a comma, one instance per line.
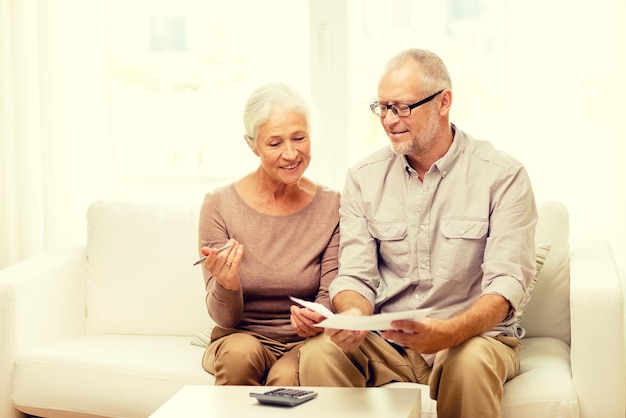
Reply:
x=379, y=322
x=314, y=306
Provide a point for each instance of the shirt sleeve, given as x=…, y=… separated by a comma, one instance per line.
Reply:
x=358, y=268
x=509, y=261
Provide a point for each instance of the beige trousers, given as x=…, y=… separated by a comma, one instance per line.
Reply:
x=238, y=357
x=466, y=380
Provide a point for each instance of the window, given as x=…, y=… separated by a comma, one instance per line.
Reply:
x=181, y=71
x=466, y=34
x=180, y=74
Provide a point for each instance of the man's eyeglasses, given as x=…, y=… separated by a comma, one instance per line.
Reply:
x=400, y=110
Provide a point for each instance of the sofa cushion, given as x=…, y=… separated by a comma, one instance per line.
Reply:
x=541, y=252
x=105, y=374
x=102, y=374
x=544, y=387
x=548, y=313
x=203, y=338
x=140, y=273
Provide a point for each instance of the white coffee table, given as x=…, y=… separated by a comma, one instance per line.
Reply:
x=235, y=402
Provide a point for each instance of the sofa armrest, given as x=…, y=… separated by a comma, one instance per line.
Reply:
x=42, y=300
x=597, y=321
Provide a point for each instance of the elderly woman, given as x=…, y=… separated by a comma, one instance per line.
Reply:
x=284, y=231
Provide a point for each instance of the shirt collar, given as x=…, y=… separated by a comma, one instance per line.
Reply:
x=445, y=163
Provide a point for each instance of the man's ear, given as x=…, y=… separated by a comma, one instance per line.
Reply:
x=446, y=102
x=251, y=144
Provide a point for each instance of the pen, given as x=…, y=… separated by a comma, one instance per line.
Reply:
x=225, y=247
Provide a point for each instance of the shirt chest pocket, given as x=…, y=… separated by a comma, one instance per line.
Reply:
x=462, y=247
x=393, y=247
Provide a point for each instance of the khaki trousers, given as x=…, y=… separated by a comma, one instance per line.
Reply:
x=238, y=357
x=466, y=380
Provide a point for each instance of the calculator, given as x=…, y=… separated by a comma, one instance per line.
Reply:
x=284, y=396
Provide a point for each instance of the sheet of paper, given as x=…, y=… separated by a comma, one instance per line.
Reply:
x=314, y=306
x=379, y=322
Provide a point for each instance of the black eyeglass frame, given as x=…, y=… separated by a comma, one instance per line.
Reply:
x=394, y=109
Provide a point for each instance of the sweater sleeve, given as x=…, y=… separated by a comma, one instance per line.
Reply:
x=329, y=267
x=224, y=306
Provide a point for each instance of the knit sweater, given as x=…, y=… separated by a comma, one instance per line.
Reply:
x=288, y=255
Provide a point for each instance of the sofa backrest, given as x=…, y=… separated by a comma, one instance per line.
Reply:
x=548, y=312
x=140, y=277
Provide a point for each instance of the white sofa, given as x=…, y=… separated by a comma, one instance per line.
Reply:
x=105, y=329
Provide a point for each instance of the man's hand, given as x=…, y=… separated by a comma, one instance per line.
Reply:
x=425, y=337
x=347, y=340
x=349, y=302
x=431, y=335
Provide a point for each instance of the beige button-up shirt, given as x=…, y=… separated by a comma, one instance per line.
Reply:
x=465, y=231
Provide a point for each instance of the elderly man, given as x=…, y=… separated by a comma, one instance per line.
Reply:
x=438, y=221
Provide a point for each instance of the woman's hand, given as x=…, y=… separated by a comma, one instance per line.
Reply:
x=224, y=266
x=303, y=321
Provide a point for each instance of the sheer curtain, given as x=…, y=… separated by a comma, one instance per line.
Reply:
x=22, y=198
x=55, y=148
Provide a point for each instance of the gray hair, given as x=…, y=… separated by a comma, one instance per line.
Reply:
x=433, y=71
x=268, y=97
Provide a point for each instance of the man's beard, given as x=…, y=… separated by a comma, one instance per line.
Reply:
x=421, y=141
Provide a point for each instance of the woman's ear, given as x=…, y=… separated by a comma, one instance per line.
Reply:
x=251, y=144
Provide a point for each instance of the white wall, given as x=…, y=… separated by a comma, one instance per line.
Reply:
x=566, y=110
